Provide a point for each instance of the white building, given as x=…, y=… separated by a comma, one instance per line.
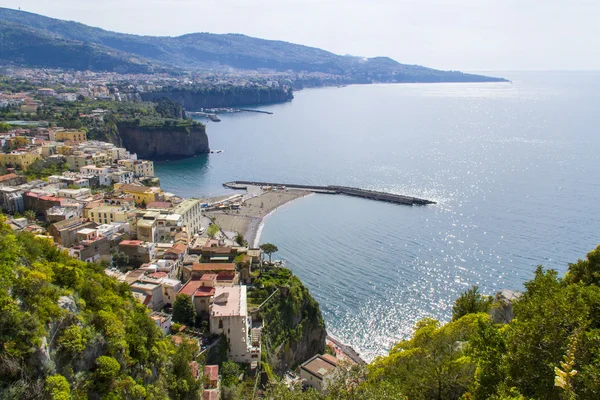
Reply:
x=318, y=370
x=229, y=316
x=191, y=214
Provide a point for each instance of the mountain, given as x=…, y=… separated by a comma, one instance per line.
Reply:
x=37, y=40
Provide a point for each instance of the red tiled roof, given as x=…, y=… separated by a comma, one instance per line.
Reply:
x=205, y=291
x=212, y=372
x=209, y=277
x=213, y=267
x=190, y=287
x=8, y=177
x=226, y=276
x=178, y=249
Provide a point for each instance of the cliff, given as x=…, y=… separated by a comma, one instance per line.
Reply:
x=163, y=142
x=233, y=96
x=294, y=329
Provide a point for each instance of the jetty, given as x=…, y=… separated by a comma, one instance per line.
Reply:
x=348, y=191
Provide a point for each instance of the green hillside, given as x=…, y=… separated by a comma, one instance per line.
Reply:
x=67, y=330
x=196, y=51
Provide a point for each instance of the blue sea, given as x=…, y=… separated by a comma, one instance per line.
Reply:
x=514, y=167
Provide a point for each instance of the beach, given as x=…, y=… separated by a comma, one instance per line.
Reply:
x=248, y=218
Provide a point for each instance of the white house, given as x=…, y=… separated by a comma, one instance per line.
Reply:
x=229, y=316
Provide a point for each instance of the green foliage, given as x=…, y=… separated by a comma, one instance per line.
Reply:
x=120, y=259
x=41, y=169
x=57, y=388
x=239, y=238
x=269, y=249
x=99, y=339
x=107, y=368
x=183, y=310
x=230, y=372
x=72, y=340
x=470, y=302
x=586, y=271
x=212, y=230
x=287, y=316
x=167, y=108
x=4, y=127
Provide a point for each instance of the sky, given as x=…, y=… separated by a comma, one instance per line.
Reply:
x=468, y=35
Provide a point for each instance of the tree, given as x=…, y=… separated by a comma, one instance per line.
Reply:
x=470, y=302
x=30, y=215
x=57, y=388
x=183, y=310
x=212, y=230
x=4, y=127
x=120, y=259
x=107, y=368
x=269, y=249
x=230, y=371
x=239, y=238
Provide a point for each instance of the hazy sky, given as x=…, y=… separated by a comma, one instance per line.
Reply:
x=448, y=34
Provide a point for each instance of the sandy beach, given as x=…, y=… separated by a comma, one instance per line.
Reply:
x=248, y=218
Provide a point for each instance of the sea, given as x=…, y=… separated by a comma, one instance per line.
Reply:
x=514, y=168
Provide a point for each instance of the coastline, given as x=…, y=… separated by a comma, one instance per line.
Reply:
x=249, y=218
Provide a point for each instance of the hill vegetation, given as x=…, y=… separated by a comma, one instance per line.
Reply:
x=67, y=330
x=37, y=40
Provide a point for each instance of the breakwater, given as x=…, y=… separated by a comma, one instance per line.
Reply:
x=331, y=189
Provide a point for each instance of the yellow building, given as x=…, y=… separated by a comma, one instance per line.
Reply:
x=19, y=159
x=69, y=135
x=110, y=214
x=142, y=194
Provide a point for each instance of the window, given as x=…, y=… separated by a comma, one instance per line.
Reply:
x=220, y=324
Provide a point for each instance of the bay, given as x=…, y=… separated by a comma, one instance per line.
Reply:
x=514, y=167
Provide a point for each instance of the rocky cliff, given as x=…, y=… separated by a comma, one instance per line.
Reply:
x=294, y=329
x=164, y=142
x=234, y=96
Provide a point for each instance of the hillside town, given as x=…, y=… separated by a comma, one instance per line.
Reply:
x=102, y=204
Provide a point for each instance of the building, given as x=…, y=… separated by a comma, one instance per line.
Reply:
x=12, y=200
x=162, y=320
x=138, y=167
x=201, y=295
x=60, y=213
x=149, y=294
x=12, y=180
x=197, y=270
x=142, y=194
x=138, y=252
x=318, y=370
x=191, y=214
x=65, y=232
x=229, y=316
x=71, y=136
x=212, y=383
x=104, y=174
x=105, y=214
x=19, y=159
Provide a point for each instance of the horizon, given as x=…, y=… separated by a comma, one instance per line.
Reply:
x=469, y=38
